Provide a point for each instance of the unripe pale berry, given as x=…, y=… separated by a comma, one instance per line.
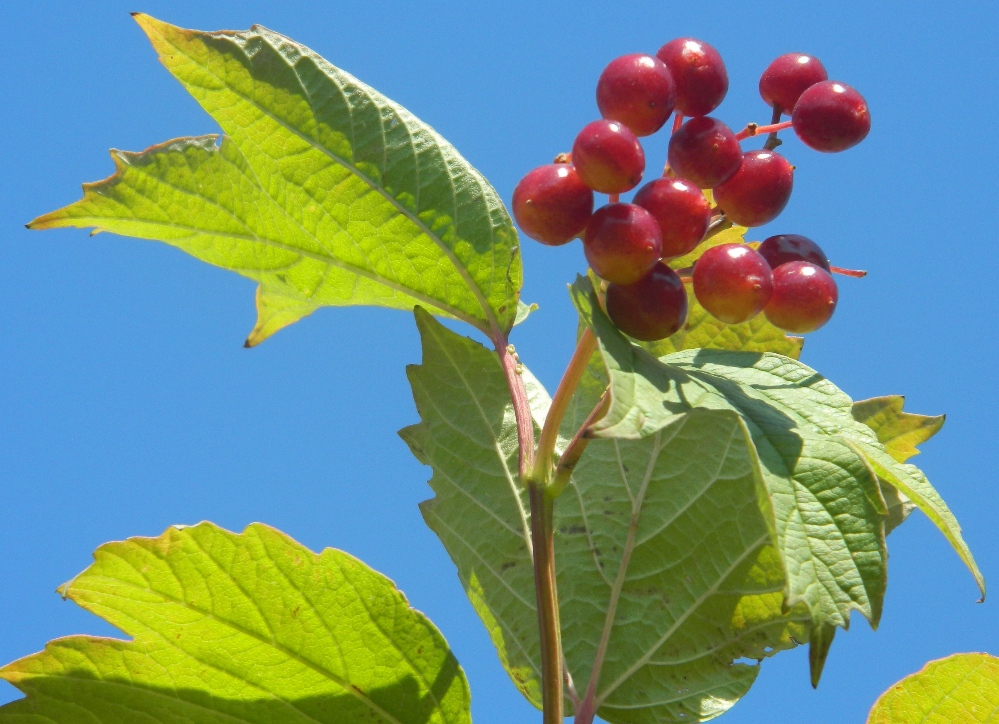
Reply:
x=552, y=205
x=654, y=307
x=680, y=209
x=830, y=117
x=608, y=157
x=704, y=151
x=758, y=191
x=732, y=282
x=785, y=248
x=622, y=242
x=638, y=91
x=784, y=80
x=804, y=297
x=699, y=73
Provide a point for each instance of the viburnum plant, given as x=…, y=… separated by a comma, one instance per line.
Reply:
x=691, y=500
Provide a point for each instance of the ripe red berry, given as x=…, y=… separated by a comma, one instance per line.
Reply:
x=704, y=151
x=552, y=205
x=680, y=209
x=608, y=157
x=758, y=191
x=831, y=116
x=654, y=307
x=804, y=297
x=785, y=248
x=784, y=80
x=638, y=91
x=699, y=73
x=732, y=282
x=622, y=242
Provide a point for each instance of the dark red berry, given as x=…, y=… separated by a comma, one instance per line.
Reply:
x=638, y=91
x=654, y=307
x=699, y=73
x=622, y=242
x=785, y=248
x=608, y=157
x=831, y=116
x=680, y=209
x=733, y=282
x=758, y=191
x=804, y=297
x=552, y=205
x=784, y=80
x=704, y=151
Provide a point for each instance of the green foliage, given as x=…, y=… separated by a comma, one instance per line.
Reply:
x=961, y=689
x=822, y=468
x=322, y=190
x=249, y=627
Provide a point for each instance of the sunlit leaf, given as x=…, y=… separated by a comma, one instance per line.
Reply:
x=322, y=190
x=961, y=689
x=249, y=627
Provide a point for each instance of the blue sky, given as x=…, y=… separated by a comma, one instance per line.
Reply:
x=128, y=404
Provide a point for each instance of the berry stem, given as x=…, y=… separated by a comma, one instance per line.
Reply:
x=753, y=129
x=585, y=347
x=773, y=142
x=574, y=450
x=855, y=273
x=677, y=121
x=614, y=198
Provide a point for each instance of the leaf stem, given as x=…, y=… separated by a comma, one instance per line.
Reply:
x=549, y=626
x=574, y=450
x=521, y=407
x=585, y=347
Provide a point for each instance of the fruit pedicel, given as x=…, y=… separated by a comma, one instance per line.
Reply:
x=787, y=278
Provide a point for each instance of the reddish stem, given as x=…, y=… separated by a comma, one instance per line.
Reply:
x=754, y=130
x=614, y=198
x=855, y=273
x=521, y=407
x=677, y=122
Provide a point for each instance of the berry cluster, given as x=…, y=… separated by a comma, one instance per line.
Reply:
x=628, y=245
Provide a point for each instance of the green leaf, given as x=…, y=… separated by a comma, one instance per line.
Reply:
x=963, y=688
x=721, y=601
x=249, y=627
x=900, y=432
x=823, y=468
x=468, y=434
x=322, y=190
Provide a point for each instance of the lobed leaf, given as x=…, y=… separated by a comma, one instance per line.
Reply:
x=322, y=190
x=249, y=627
x=961, y=688
x=673, y=630
x=899, y=432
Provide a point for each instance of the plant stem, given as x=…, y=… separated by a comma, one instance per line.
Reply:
x=574, y=450
x=521, y=407
x=677, y=121
x=543, y=540
x=855, y=273
x=773, y=141
x=754, y=130
x=585, y=348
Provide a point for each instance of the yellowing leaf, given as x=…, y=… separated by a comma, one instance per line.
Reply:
x=960, y=689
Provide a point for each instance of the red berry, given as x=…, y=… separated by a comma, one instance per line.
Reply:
x=552, y=205
x=622, y=242
x=758, y=191
x=733, y=282
x=784, y=80
x=608, y=157
x=704, y=151
x=784, y=248
x=654, y=307
x=699, y=73
x=680, y=209
x=804, y=297
x=638, y=91
x=830, y=117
